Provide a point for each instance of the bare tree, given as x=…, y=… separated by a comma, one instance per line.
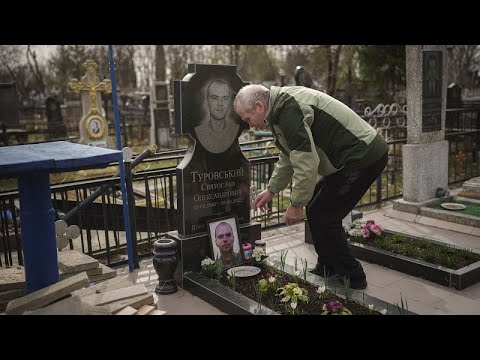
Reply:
x=463, y=61
x=332, y=53
x=35, y=69
x=160, y=63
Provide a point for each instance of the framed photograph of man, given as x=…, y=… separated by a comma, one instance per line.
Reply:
x=225, y=241
x=94, y=125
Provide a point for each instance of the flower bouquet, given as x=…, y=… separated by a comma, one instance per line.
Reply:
x=363, y=229
x=259, y=255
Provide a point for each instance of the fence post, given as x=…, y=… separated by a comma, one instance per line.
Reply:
x=131, y=211
x=4, y=134
x=379, y=190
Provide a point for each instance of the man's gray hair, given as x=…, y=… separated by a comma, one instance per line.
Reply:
x=248, y=95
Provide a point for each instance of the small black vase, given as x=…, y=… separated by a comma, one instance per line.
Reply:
x=165, y=262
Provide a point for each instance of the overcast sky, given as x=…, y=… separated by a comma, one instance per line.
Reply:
x=44, y=51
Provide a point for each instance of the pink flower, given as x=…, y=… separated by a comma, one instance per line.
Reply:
x=376, y=229
x=365, y=233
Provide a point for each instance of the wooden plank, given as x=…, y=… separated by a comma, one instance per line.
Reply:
x=12, y=278
x=12, y=294
x=157, y=312
x=127, y=311
x=115, y=295
x=108, y=285
x=107, y=273
x=145, y=309
x=136, y=302
x=47, y=295
x=74, y=261
x=71, y=306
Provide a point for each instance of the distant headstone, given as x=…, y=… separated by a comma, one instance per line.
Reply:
x=454, y=96
x=213, y=180
x=56, y=127
x=471, y=189
x=9, y=105
x=93, y=124
x=161, y=125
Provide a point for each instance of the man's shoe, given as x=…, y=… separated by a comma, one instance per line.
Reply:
x=353, y=283
x=323, y=270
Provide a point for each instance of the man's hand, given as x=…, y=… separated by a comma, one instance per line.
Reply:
x=293, y=215
x=262, y=200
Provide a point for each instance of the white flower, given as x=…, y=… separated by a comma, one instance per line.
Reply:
x=355, y=232
x=346, y=227
x=207, y=261
x=293, y=305
x=258, y=253
x=370, y=306
x=383, y=312
x=297, y=272
x=271, y=279
x=321, y=289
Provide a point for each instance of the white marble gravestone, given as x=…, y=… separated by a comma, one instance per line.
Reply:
x=425, y=156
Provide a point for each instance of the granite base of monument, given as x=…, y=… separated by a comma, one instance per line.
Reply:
x=471, y=189
x=194, y=248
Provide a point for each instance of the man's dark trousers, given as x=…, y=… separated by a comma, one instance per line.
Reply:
x=334, y=197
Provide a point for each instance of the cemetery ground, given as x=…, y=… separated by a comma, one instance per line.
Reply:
x=420, y=296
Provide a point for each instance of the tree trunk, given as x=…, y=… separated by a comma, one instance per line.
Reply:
x=160, y=63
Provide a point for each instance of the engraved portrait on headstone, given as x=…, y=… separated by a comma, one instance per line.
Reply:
x=217, y=131
x=432, y=91
x=433, y=76
x=213, y=179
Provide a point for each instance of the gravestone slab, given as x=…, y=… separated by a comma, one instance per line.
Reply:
x=56, y=127
x=471, y=188
x=425, y=156
x=12, y=278
x=9, y=105
x=72, y=261
x=213, y=178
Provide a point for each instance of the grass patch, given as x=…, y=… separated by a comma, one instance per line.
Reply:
x=471, y=208
x=421, y=249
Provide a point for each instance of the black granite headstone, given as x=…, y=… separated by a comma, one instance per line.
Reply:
x=432, y=91
x=214, y=177
x=56, y=127
x=161, y=93
x=8, y=105
x=454, y=96
x=162, y=117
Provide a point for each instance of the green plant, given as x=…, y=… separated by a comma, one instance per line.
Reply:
x=211, y=268
x=304, y=268
x=403, y=307
x=292, y=293
x=283, y=257
x=232, y=279
x=335, y=308
x=259, y=293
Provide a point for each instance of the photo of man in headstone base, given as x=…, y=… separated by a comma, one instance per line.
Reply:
x=227, y=248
